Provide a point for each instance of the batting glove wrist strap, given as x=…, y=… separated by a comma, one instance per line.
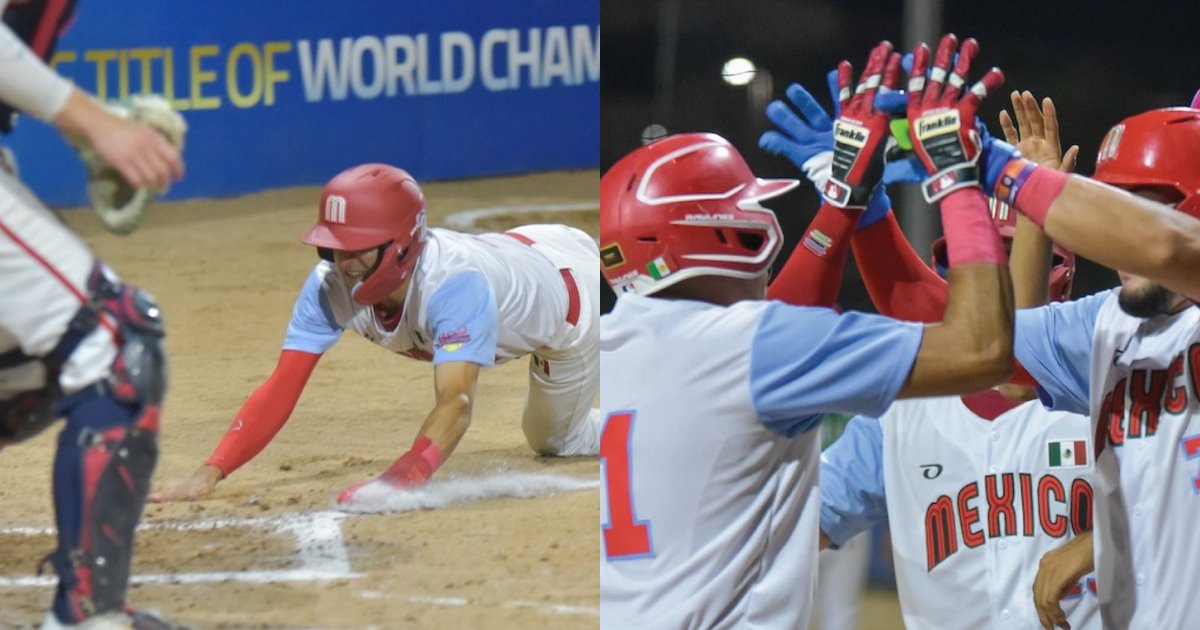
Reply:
x=949, y=180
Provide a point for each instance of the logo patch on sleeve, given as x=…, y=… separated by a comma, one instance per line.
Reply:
x=452, y=341
x=612, y=256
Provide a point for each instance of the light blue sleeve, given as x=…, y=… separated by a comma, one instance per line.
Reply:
x=313, y=327
x=464, y=321
x=805, y=361
x=1054, y=344
x=852, y=492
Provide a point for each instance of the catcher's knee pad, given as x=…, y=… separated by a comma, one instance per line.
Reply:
x=139, y=371
x=25, y=416
x=106, y=456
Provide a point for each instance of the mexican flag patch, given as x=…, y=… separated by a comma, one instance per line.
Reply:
x=1067, y=454
x=658, y=268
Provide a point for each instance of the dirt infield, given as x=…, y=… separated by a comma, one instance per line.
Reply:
x=267, y=550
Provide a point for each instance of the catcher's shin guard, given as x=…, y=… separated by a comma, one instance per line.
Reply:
x=106, y=456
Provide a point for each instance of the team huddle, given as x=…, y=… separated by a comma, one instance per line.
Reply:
x=1039, y=471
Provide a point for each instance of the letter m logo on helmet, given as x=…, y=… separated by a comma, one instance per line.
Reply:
x=685, y=206
x=335, y=209
x=373, y=206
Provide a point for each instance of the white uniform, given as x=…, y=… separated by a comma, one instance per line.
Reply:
x=973, y=504
x=1140, y=381
x=710, y=510
x=487, y=299
x=43, y=266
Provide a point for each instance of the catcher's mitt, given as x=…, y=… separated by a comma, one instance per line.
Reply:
x=121, y=206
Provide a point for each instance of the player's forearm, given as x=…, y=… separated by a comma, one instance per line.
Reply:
x=900, y=284
x=1030, y=264
x=812, y=275
x=1123, y=231
x=448, y=422
x=264, y=413
x=26, y=82
x=972, y=348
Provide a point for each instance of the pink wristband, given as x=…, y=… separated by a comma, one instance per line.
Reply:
x=971, y=236
x=1030, y=188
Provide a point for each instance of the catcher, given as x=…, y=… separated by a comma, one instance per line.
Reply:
x=76, y=342
x=462, y=302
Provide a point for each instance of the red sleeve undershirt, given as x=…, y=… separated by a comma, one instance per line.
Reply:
x=812, y=275
x=265, y=412
x=900, y=284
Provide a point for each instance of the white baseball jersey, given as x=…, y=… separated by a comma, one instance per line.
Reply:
x=973, y=504
x=487, y=299
x=1140, y=381
x=709, y=511
x=43, y=266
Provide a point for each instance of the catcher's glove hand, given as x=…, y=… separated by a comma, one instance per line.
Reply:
x=120, y=205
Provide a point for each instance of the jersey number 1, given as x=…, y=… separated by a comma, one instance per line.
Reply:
x=624, y=536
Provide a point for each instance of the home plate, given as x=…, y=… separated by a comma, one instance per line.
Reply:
x=377, y=497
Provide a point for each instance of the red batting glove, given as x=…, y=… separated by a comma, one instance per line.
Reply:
x=413, y=469
x=860, y=131
x=942, y=123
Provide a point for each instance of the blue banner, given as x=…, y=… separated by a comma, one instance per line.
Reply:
x=282, y=93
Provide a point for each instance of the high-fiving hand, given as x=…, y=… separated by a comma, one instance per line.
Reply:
x=941, y=116
x=860, y=131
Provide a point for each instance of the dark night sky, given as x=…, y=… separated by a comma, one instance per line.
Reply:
x=1100, y=61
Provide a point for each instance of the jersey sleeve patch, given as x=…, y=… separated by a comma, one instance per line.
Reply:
x=464, y=320
x=805, y=361
x=1054, y=343
x=313, y=327
x=853, y=497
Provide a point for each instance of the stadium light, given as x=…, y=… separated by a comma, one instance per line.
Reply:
x=738, y=71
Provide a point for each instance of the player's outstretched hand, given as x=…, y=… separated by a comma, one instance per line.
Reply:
x=861, y=130
x=198, y=486
x=1035, y=133
x=805, y=140
x=941, y=115
x=1058, y=570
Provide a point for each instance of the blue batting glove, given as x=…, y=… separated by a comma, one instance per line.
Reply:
x=799, y=139
x=895, y=103
x=902, y=167
x=995, y=155
x=878, y=208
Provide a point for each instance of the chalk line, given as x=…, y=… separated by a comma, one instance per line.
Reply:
x=377, y=497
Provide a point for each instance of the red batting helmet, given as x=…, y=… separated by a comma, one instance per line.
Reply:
x=685, y=206
x=1062, y=270
x=1157, y=149
x=373, y=205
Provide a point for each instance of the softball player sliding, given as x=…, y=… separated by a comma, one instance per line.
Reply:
x=76, y=342
x=462, y=302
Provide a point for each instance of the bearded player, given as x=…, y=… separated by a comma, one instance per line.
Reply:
x=712, y=394
x=1126, y=357
x=975, y=488
x=462, y=302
